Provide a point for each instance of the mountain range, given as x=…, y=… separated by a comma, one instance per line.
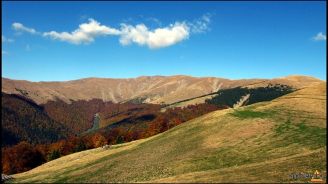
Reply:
x=148, y=89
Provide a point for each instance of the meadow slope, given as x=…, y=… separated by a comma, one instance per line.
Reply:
x=263, y=142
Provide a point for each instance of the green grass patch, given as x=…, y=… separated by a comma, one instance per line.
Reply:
x=283, y=128
x=301, y=133
x=225, y=157
x=248, y=113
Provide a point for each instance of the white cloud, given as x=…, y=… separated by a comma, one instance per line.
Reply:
x=86, y=33
x=319, y=37
x=4, y=52
x=163, y=37
x=128, y=34
x=154, y=20
x=20, y=27
x=6, y=40
x=157, y=38
x=200, y=25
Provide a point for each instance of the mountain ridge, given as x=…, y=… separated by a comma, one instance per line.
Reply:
x=154, y=89
x=178, y=75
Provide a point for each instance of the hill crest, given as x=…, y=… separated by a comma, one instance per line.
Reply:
x=153, y=89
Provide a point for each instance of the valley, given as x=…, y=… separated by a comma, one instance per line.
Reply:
x=262, y=142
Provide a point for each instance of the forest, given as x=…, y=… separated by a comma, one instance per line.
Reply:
x=23, y=120
x=229, y=97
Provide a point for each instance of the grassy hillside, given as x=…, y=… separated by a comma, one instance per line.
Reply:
x=263, y=142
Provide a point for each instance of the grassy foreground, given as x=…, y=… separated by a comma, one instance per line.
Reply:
x=264, y=142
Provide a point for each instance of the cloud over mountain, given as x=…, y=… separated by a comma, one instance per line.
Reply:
x=320, y=37
x=86, y=33
x=20, y=27
x=128, y=34
x=6, y=40
x=157, y=38
x=200, y=25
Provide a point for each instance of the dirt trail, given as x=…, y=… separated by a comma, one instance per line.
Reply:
x=241, y=101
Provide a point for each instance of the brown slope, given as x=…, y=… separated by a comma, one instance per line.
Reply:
x=153, y=89
x=23, y=120
x=296, y=81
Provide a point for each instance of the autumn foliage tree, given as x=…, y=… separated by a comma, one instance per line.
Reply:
x=20, y=158
x=98, y=140
x=54, y=154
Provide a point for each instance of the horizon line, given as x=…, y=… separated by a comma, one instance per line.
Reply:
x=176, y=75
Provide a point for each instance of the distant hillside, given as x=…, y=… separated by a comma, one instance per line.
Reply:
x=239, y=96
x=263, y=142
x=23, y=120
x=78, y=115
x=155, y=89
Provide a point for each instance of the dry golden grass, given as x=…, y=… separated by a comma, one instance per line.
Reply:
x=199, y=100
x=307, y=102
x=245, y=173
x=242, y=130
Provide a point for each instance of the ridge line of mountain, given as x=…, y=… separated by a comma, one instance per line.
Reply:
x=148, y=89
x=162, y=76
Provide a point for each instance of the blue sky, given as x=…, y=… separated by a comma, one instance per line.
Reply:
x=129, y=39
